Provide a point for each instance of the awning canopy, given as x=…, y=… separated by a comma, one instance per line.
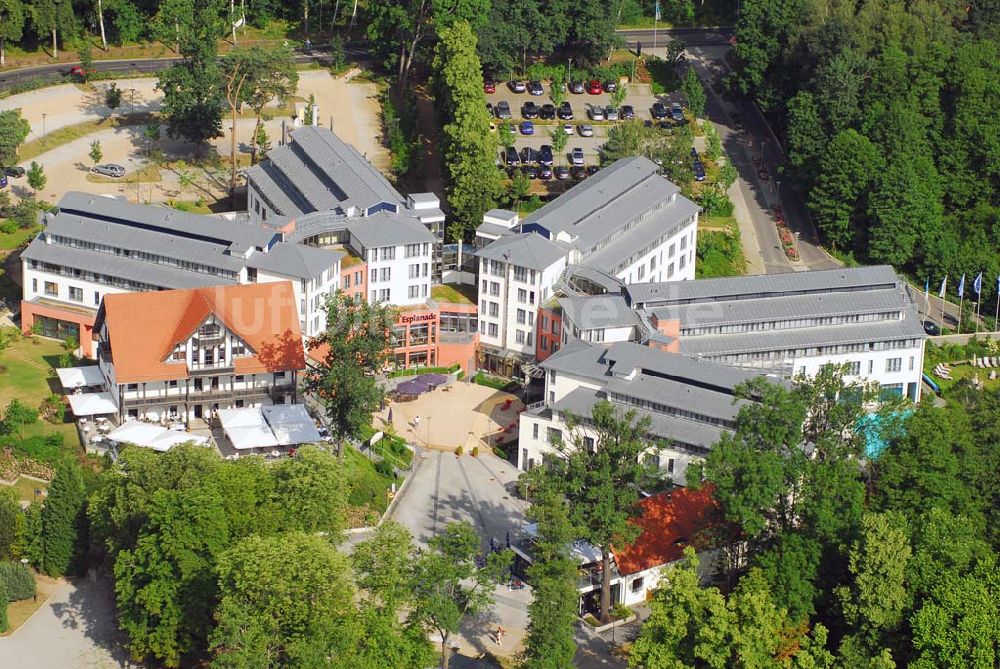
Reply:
x=152, y=436
x=246, y=428
x=270, y=426
x=291, y=424
x=412, y=388
x=80, y=377
x=432, y=380
x=92, y=404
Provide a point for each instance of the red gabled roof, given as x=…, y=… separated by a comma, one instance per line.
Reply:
x=669, y=522
x=144, y=328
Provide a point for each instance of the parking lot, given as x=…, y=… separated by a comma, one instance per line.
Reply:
x=640, y=96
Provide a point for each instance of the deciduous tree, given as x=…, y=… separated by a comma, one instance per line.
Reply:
x=13, y=131
x=12, y=17
x=64, y=522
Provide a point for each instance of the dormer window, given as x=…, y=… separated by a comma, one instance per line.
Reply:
x=209, y=330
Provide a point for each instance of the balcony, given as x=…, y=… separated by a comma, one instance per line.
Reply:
x=193, y=395
x=456, y=337
x=211, y=369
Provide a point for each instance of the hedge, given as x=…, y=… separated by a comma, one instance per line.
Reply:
x=17, y=581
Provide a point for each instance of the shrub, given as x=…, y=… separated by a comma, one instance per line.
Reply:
x=459, y=450
x=4, y=623
x=384, y=467
x=620, y=612
x=475, y=451
x=53, y=409
x=17, y=580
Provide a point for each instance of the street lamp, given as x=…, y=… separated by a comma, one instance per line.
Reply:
x=569, y=72
x=43, y=127
x=131, y=109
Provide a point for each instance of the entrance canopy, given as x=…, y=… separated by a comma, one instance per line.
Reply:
x=152, y=436
x=80, y=377
x=270, y=426
x=92, y=404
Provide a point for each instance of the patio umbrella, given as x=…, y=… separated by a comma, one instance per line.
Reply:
x=413, y=387
x=432, y=380
x=389, y=417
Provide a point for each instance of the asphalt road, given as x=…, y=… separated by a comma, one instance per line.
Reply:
x=59, y=71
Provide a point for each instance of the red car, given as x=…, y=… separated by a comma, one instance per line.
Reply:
x=78, y=71
x=489, y=87
x=594, y=87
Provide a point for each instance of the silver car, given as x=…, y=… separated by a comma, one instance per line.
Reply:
x=586, y=131
x=576, y=157
x=611, y=113
x=597, y=113
x=109, y=170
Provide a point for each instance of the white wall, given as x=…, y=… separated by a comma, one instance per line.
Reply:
x=509, y=301
x=310, y=296
x=641, y=271
x=399, y=282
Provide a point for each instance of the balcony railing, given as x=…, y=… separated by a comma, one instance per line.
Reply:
x=210, y=394
x=203, y=369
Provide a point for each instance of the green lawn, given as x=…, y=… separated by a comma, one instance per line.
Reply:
x=454, y=293
x=14, y=240
x=719, y=250
x=368, y=488
x=25, y=488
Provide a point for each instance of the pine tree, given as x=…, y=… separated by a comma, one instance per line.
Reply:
x=62, y=521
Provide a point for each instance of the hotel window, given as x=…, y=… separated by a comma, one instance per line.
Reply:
x=357, y=278
x=426, y=266
x=374, y=276
x=531, y=339
x=522, y=295
x=494, y=309
x=482, y=306
x=894, y=364
x=389, y=252
x=588, y=444
x=413, y=292
x=132, y=386
x=682, y=262
x=383, y=295
x=519, y=336
x=372, y=298
x=423, y=290
x=385, y=274
x=493, y=329
x=554, y=435
x=534, y=430
x=670, y=270
x=652, y=263
x=412, y=250
x=97, y=299
x=684, y=242
x=871, y=366
x=854, y=368
x=482, y=326
x=637, y=584
x=414, y=271
x=522, y=316
x=544, y=343
x=51, y=289
x=346, y=282
x=672, y=251
x=171, y=384
x=494, y=288
x=34, y=285
x=520, y=274
x=670, y=466
x=486, y=285
x=912, y=361
x=642, y=272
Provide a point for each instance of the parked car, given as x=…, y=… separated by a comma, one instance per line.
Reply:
x=576, y=156
x=579, y=172
x=594, y=87
x=529, y=110
x=592, y=170
x=596, y=113
x=677, y=112
x=489, y=87
x=658, y=111
x=576, y=87
x=517, y=86
x=503, y=110
x=530, y=171
x=109, y=170
x=545, y=172
x=562, y=172
x=79, y=71
x=610, y=86
x=535, y=88
x=545, y=154
x=511, y=157
x=527, y=128
x=611, y=113
x=548, y=112
x=568, y=128
x=529, y=155
x=699, y=170
x=666, y=125
x=586, y=130
x=628, y=112
x=931, y=328
x=566, y=112
x=14, y=171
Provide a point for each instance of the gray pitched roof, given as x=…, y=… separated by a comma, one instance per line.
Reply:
x=295, y=260
x=527, y=249
x=388, y=229
x=316, y=171
x=776, y=308
x=201, y=228
x=598, y=311
x=626, y=356
x=608, y=201
x=781, y=340
x=762, y=285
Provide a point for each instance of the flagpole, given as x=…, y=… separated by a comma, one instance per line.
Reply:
x=979, y=300
x=961, y=301
x=656, y=17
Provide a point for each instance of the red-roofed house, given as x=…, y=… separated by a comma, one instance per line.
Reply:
x=669, y=521
x=184, y=354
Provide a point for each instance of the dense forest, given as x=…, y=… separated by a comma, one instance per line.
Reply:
x=889, y=111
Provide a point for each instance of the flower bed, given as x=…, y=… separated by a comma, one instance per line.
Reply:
x=787, y=238
x=11, y=468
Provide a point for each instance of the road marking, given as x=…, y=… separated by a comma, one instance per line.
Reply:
x=437, y=489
